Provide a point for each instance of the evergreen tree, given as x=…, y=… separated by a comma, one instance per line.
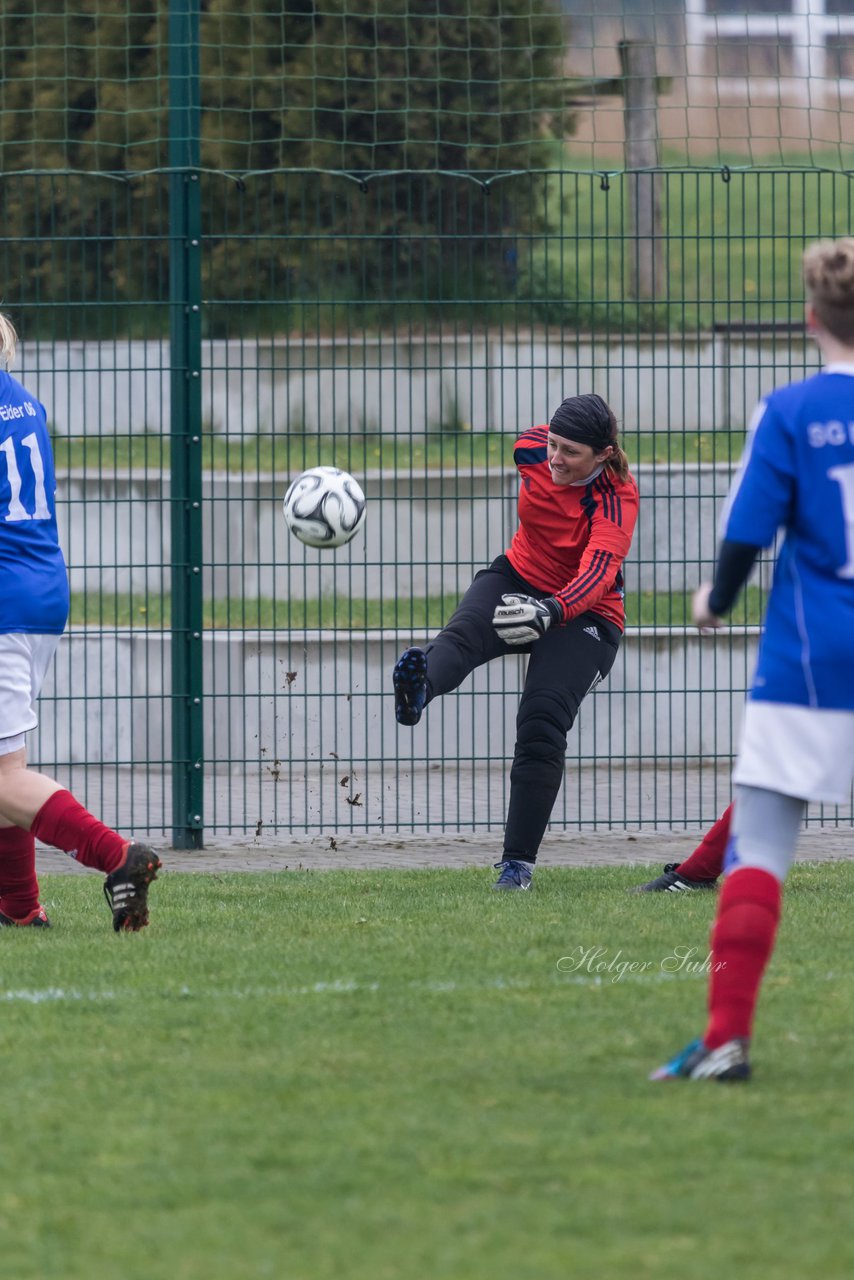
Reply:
x=350, y=90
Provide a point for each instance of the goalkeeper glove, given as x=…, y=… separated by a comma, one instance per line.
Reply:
x=522, y=619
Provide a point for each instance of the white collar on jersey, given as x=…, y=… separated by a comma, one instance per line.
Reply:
x=839, y=366
x=579, y=484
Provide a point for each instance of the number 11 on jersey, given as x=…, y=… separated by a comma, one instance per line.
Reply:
x=17, y=510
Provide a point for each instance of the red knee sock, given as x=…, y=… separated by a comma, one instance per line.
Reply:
x=742, y=941
x=66, y=825
x=19, y=888
x=18, y=883
x=707, y=860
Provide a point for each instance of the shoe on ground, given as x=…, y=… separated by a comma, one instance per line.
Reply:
x=37, y=919
x=728, y=1062
x=670, y=881
x=514, y=874
x=126, y=888
x=410, y=686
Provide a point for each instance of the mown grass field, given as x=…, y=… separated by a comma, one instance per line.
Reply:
x=404, y=1076
x=731, y=246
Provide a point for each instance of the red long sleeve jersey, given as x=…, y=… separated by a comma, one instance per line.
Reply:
x=572, y=539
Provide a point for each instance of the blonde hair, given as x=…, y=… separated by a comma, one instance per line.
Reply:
x=829, y=281
x=8, y=340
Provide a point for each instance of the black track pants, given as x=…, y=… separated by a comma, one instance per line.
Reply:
x=564, y=665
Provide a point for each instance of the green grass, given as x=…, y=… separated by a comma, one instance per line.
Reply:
x=731, y=247
x=385, y=1076
x=287, y=455
x=342, y=613
x=677, y=158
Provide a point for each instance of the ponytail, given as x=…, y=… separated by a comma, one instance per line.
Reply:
x=618, y=463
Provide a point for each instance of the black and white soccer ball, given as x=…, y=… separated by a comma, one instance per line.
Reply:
x=324, y=507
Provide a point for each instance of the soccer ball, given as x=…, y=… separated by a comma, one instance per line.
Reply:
x=324, y=507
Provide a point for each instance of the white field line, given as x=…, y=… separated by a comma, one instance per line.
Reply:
x=52, y=995
x=342, y=986
x=338, y=986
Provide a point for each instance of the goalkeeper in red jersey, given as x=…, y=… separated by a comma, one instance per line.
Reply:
x=555, y=594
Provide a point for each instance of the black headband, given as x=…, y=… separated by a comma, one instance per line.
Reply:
x=586, y=419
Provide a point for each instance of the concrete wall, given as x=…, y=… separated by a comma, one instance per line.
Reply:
x=301, y=695
x=300, y=734
x=415, y=385
x=423, y=535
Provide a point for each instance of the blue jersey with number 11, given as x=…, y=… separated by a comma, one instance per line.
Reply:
x=33, y=578
x=798, y=473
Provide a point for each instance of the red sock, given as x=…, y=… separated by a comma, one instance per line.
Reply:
x=707, y=860
x=742, y=941
x=19, y=888
x=66, y=825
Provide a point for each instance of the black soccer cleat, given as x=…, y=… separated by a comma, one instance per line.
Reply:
x=410, y=686
x=126, y=888
x=670, y=881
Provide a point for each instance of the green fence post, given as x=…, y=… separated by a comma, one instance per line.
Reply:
x=185, y=294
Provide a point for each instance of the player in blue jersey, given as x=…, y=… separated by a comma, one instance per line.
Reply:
x=33, y=614
x=797, y=742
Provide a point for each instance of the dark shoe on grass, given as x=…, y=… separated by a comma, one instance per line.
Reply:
x=670, y=881
x=514, y=874
x=37, y=919
x=126, y=888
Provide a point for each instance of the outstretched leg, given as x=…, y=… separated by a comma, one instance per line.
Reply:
x=42, y=809
x=467, y=641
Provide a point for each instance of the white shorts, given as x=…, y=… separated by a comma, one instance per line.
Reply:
x=806, y=752
x=24, y=660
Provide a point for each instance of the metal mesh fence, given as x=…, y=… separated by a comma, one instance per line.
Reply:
x=365, y=86
x=416, y=377
x=206, y=310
